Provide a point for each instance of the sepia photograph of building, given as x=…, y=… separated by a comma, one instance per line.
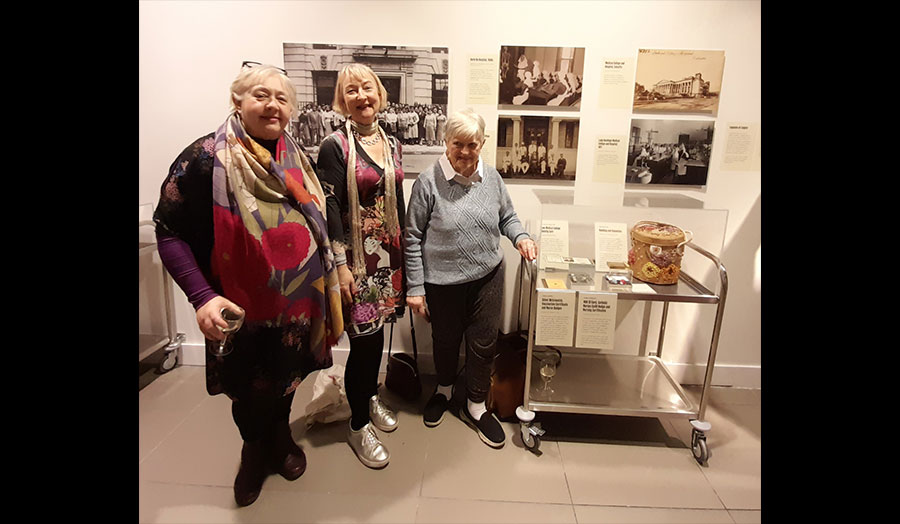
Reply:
x=548, y=77
x=669, y=152
x=416, y=80
x=537, y=147
x=678, y=81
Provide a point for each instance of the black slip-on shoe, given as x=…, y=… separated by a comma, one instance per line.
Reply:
x=488, y=428
x=434, y=410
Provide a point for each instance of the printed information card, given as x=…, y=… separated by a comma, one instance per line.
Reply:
x=554, y=243
x=617, y=83
x=610, y=244
x=483, y=77
x=596, y=320
x=555, y=320
x=741, y=148
x=610, y=158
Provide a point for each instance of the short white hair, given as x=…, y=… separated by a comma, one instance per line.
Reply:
x=252, y=76
x=466, y=124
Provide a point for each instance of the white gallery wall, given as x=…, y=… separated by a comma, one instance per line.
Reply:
x=191, y=51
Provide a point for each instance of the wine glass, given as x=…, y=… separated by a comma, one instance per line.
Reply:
x=235, y=320
x=549, y=362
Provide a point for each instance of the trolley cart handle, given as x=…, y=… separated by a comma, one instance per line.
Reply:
x=720, y=311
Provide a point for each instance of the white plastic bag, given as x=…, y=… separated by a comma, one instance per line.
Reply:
x=329, y=399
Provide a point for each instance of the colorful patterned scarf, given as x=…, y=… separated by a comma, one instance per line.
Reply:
x=264, y=210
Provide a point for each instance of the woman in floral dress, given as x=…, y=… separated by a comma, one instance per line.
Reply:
x=360, y=168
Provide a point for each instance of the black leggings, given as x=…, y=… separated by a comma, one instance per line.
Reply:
x=361, y=375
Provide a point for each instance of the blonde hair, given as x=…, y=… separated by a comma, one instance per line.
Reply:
x=253, y=76
x=465, y=124
x=359, y=73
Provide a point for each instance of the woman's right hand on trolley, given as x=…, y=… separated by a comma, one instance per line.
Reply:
x=210, y=319
x=417, y=305
x=348, y=285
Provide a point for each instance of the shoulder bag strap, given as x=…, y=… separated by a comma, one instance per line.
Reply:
x=412, y=332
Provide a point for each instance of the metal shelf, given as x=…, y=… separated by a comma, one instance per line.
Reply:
x=605, y=384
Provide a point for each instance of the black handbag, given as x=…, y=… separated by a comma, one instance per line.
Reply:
x=403, y=370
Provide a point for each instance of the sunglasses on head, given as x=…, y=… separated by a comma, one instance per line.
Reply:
x=248, y=63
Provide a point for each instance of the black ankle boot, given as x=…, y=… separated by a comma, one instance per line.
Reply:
x=249, y=480
x=285, y=456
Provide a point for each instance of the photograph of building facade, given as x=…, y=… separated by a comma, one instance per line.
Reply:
x=678, y=81
x=692, y=86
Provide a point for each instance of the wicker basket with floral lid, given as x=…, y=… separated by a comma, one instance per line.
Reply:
x=656, y=251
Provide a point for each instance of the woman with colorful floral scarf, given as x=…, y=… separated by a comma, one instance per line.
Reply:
x=360, y=168
x=241, y=226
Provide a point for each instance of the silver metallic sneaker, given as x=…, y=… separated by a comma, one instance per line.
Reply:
x=369, y=450
x=381, y=415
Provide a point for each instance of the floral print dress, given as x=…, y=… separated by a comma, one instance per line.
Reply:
x=381, y=292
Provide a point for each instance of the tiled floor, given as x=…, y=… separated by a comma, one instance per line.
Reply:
x=592, y=469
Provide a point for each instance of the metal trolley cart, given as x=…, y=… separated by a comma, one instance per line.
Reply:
x=171, y=340
x=588, y=382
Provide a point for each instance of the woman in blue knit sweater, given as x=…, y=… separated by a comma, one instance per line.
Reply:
x=457, y=211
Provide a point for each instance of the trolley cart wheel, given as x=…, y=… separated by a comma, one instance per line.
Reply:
x=532, y=442
x=699, y=447
x=530, y=432
x=171, y=360
x=168, y=363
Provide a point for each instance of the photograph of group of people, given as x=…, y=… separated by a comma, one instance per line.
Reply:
x=541, y=76
x=537, y=147
x=414, y=114
x=669, y=152
x=415, y=124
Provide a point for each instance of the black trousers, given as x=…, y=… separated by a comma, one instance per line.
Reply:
x=257, y=413
x=471, y=309
x=361, y=375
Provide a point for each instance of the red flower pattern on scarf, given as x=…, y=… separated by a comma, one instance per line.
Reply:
x=239, y=260
x=286, y=246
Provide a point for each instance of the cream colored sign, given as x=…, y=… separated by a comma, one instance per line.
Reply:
x=617, y=83
x=596, y=323
x=483, y=80
x=555, y=319
x=610, y=158
x=741, y=148
x=554, y=243
x=610, y=244
x=489, y=149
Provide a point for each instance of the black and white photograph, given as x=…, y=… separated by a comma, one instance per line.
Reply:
x=416, y=80
x=537, y=147
x=678, y=81
x=669, y=152
x=547, y=77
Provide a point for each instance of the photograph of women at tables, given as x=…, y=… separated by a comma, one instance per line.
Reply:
x=541, y=76
x=669, y=152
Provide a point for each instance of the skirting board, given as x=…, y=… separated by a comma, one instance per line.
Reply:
x=685, y=374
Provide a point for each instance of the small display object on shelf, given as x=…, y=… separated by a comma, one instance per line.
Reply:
x=656, y=252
